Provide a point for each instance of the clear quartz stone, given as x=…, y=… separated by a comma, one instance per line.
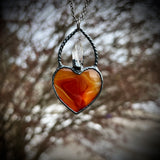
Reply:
x=77, y=55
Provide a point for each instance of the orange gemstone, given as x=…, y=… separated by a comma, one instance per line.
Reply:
x=77, y=91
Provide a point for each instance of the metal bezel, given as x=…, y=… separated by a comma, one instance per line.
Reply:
x=77, y=72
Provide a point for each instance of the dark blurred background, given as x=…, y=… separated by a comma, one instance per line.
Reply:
x=122, y=124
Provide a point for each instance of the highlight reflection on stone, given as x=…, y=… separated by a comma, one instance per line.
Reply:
x=77, y=91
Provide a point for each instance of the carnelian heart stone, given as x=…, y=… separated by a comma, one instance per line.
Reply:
x=77, y=91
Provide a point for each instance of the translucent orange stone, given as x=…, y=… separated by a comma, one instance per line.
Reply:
x=77, y=91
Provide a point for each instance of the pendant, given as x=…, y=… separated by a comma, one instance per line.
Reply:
x=77, y=87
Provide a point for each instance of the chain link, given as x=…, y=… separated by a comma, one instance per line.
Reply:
x=81, y=15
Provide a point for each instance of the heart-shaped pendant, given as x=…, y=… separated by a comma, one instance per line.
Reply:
x=77, y=91
x=77, y=87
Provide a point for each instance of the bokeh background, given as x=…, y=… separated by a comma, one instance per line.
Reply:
x=122, y=124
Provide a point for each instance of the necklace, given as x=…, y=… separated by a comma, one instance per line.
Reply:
x=77, y=87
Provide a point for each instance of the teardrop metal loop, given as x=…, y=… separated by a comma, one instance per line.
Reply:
x=67, y=39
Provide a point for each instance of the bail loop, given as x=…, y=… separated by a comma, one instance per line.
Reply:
x=78, y=24
x=67, y=39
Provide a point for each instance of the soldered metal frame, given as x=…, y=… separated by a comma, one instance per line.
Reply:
x=75, y=69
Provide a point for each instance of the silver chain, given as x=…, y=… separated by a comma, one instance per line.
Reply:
x=81, y=15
